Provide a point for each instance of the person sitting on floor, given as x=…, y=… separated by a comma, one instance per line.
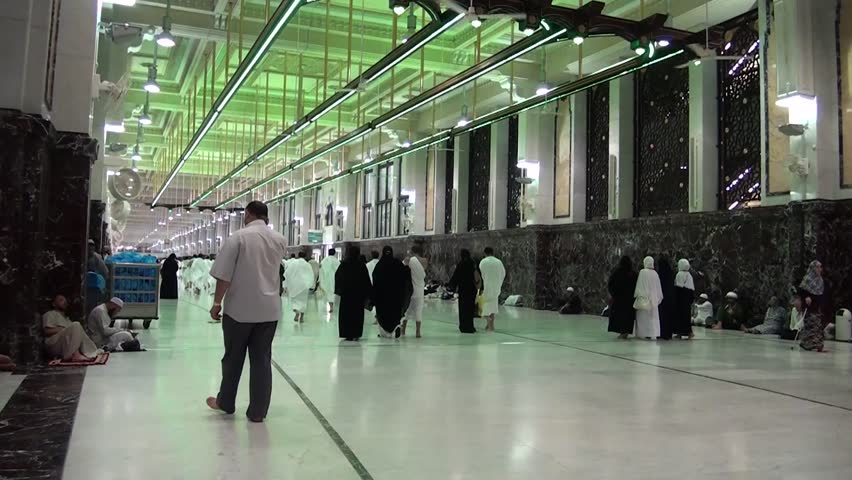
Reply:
x=731, y=316
x=104, y=336
x=66, y=339
x=702, y=311
x=6, y=364
x=773, y=322
x=572, y=305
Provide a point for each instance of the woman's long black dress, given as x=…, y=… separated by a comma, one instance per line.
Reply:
x=463, y=282
x=169, y=282
x=352, y=284
x=667, y=307
x=621, y=286
x=684, y=297
x=389, y=289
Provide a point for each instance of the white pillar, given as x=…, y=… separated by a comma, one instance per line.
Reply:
x=579, y=156
x=461, y=172
x=704, y=136
x=414, y=181
x=14, y=30
x=498, y=189
x=535, y=152
x=75, y=66
x=621, y=149
x=440, y=188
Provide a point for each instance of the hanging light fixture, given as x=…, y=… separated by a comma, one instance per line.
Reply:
x=145, y=118
x=136, y=156
x=463, y=119
x=543, y=88
x=151, y=85
x=165, y=38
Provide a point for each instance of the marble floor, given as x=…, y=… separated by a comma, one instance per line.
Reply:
x=545, y=397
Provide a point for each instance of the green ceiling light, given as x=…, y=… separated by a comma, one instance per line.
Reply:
x=279, y=19
x=415, y=46
x=151, y=85
x=165, y=38
x=639, y=46
x=145, y=118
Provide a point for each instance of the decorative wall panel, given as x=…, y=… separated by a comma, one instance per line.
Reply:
x=662, y=133
x=513, y=204
x=777, y=144
x=739, y=117
x=479, y=179
x=562, y=166
x=844, y=75
x=448, y=184
x=597, y=153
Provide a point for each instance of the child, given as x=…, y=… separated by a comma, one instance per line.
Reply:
x=702, y=310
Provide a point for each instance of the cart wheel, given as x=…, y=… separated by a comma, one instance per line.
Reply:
x=146, y=324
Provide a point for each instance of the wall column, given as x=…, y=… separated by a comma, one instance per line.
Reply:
x=621, y=148
x=440, y=188
x=579, y=154
x=704, y=129
x=498, y=194
x=460, y=182
x=536, y=152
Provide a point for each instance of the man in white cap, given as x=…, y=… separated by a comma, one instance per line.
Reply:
x=102, y=334
x=702, y=313
x=731, y=316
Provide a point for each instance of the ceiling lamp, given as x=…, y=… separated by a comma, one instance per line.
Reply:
x=580, y=35
x=663, y=42
x=145, y=118
x=529, y=24
x=399, y=6
x=165, y=38
x=476, y=22
x=136, y=156
x=151, y=85
x=542, y=89
x=463, y=119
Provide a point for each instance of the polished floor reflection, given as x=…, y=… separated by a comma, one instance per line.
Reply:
x=545, y=397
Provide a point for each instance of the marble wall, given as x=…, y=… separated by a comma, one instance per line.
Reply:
x=760, y=252
x=43, y=225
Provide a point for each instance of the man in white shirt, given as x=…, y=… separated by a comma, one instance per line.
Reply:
x=102, y=334
x=418, y=283
x=246, y=273
x=493, y=273
x=371, y=265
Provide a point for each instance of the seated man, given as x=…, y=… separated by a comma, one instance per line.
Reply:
x=98, y=323
x=702, y=311
x=731, y=316
x=774, y=321
x=66, y=339
x=572, y=304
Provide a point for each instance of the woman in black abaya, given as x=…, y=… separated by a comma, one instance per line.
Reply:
x=667, y=307
x=621, y=286
x=169, y=282
x=389, y=290
x=464, y=283
x=352, y=285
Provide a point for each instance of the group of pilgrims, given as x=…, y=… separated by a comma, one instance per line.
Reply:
x=391, y=287
x=656, y=303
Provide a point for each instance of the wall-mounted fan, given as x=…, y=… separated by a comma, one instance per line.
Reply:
x=125, y=184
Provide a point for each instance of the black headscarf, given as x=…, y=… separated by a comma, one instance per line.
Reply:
x=463, y=281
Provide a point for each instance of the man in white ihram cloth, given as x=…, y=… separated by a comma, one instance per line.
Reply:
x=328, y=268
x=298, y=280
x=493, y=273
x=648, y=296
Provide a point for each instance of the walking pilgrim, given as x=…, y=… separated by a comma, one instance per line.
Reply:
x=298, y=280
x=647, y=299
x=493, y=273
x=328, y=269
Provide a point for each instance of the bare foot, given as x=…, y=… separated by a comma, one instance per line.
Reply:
x=213, y=404
x=79, y=357
x=716, y=327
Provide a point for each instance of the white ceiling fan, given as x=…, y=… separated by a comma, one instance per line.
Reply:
x=704, y=52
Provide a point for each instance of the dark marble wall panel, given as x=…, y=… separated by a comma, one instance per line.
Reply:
x=513, y=203
x=479, y=179
x=97, y=211
x=43, y=226
x=23, y=161
x=597, y=153
x=63, y=258
x=448, y=184
x=662, y=139
x=739, y=116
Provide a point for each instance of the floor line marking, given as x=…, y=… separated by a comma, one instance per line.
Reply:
x=338, y=440
x=678, y=370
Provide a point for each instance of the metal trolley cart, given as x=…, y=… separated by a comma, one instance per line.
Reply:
x=138, y=285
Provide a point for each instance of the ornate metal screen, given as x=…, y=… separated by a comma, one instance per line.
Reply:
x=597, y=153
x=448, y=185
x=513, y=210
x=479, y=179
x=662, y=133
x=739, y=116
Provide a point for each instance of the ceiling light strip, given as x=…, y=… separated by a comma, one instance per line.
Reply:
x=279, y=19
x=397, y=55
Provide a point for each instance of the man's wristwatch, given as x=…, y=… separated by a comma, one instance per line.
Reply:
x=217, y=304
